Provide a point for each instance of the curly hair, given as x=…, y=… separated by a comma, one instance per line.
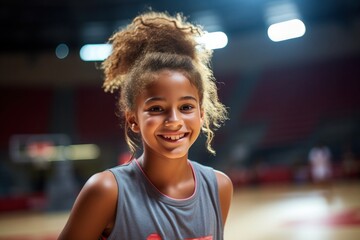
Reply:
x=156, y=41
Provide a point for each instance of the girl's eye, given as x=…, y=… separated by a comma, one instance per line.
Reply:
x=155, y=109
x=187, y=107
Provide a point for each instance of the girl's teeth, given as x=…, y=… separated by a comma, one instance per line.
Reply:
x=177, y=137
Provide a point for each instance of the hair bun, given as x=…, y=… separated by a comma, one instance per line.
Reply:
x=149, y=32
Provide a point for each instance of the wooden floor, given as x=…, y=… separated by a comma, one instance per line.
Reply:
x=259, y=213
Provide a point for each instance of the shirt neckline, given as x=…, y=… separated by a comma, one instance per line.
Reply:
x=165, y=198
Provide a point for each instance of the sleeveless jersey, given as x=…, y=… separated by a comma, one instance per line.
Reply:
x=144, y=213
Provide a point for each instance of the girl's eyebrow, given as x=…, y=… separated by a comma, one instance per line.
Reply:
x=188, y=98
x=154, y=99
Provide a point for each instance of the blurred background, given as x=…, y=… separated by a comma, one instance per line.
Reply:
x=291, y=146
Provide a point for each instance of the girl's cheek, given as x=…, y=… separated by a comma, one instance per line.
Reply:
x=152, y=122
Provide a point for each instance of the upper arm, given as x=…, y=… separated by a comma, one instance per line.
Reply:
x=94, y=208
x=225, y=187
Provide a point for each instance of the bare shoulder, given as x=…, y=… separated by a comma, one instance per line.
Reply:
x=99, y=191
x=94, y=210
x=103, y=182
x=101, y=187
x=223, y=180
x=225, y=187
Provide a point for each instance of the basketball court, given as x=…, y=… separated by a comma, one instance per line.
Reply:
x=273, y=212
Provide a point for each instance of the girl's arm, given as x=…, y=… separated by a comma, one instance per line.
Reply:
x=225, y=187
x=94, y=209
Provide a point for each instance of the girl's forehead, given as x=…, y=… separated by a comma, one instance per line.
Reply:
x=170, y=83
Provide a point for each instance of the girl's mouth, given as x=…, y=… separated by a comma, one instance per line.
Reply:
x=174, y=137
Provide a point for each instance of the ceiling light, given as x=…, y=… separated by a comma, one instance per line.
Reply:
x=286, y=30
x=95, y=52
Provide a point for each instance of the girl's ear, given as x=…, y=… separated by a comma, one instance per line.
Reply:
x=132, y=122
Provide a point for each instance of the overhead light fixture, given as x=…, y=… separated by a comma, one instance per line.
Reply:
x=95, y=52
x=283, y=18
x=213, y=40
x=286, y=30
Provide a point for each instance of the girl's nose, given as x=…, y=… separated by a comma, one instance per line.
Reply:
x=173, y=119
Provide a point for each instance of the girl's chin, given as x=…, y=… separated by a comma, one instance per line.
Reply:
x=174, y=153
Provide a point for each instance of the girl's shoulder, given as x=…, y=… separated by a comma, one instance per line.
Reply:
x=225, y=188
x=95, y=206
x=224, y=182
x=100, y=190
x=102, y=182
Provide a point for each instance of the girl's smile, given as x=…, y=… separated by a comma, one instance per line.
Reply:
x=173, y=137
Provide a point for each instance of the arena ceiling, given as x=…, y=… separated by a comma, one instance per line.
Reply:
x=40, y=25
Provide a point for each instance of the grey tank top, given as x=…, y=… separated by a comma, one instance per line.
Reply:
x=144, y=213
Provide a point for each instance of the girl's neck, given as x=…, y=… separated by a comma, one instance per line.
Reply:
x=172, y=177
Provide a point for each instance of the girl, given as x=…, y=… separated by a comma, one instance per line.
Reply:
x=168, y=95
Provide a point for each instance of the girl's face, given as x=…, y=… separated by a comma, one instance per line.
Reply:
x=168, y=115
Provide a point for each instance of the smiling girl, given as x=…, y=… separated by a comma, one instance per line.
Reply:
x=168, y=95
